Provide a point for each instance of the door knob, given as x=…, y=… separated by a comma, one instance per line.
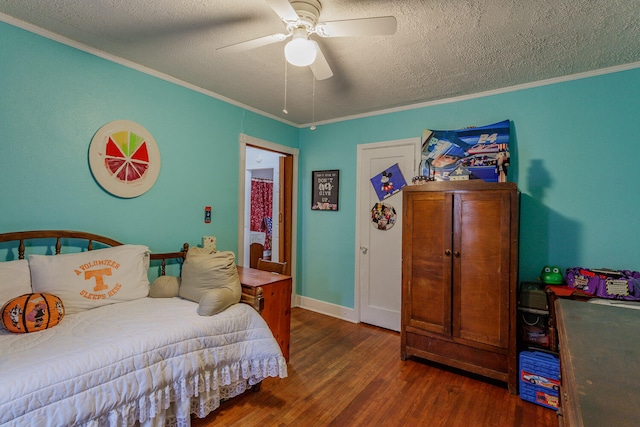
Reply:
x=447, y=252
x=364, y=249
x=456, y=254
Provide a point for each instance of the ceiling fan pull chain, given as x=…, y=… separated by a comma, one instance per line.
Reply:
x=313, y=106
x=284, y=110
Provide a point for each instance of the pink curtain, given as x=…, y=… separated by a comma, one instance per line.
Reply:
x=261, y=208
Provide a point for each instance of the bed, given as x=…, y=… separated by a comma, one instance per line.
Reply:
x=140, y=361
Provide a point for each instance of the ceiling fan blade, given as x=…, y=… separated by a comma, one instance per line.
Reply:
x=283, y=9
x=320, y=67
x=252, y=44
x=383, y=25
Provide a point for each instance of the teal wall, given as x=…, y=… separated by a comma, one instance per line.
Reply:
x=574, y=156
x=53, y=98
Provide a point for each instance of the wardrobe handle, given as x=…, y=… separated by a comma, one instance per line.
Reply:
x=456, y=254
x=447, y=252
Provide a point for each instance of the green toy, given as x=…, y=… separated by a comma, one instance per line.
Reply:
x=551, y=275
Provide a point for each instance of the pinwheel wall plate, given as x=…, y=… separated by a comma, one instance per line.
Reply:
x=124, y=158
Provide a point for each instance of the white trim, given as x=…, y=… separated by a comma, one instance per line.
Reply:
x=361, y=148
x=64, y=40
x=516, y=88
x=245, y=140
x=326, y=308
x=133, y=65
x=391, y=143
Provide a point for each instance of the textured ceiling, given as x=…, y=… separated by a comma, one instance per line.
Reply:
x=442, y=48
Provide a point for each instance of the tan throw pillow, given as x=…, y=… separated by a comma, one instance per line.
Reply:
x=210, y=279
x=165, y=287
x=216, y=300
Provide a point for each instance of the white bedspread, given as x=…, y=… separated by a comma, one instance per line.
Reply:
x=129, y=362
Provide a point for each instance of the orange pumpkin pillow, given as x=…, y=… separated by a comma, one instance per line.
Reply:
x=32, y=312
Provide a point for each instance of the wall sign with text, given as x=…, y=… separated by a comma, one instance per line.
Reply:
x=324, y=190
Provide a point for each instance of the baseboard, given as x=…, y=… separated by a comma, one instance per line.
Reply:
x=333, y=310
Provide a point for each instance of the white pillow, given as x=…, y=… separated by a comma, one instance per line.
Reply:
x=15, y=280
x=92, y=279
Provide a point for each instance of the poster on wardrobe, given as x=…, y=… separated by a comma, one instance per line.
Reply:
x=477, y=152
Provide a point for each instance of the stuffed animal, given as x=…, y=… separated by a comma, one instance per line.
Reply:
x=32, y=312
x=551, y=275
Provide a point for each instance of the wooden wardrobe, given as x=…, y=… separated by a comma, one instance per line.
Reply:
x=459, y=276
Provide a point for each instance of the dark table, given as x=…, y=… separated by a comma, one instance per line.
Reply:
x=600, y=364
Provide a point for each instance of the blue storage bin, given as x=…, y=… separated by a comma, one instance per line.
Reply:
x=540, y=378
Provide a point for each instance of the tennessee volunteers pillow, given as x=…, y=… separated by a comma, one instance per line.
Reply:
x=92, y=279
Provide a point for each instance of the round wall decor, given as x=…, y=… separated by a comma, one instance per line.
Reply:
x=124, y=158
x=383, y=216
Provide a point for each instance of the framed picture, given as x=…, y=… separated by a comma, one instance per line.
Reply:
x=124, y=158
x=324, y=190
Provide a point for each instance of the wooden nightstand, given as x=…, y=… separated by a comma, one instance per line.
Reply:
x=276, y=291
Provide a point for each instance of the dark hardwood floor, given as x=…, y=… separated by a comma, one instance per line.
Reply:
x=345, y=374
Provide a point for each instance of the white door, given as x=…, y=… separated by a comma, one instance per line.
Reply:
x=379, y=255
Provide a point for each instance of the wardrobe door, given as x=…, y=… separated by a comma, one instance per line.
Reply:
x=427, y=261
x=481, y=268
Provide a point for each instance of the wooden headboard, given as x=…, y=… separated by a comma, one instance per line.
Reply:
x=86, y=241
x=89, y=238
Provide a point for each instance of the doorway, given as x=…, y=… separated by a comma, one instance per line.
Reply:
x=271, y=170
x=379, y=245
x=262, y=202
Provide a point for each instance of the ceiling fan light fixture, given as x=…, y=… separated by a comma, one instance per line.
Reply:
x=301, y=51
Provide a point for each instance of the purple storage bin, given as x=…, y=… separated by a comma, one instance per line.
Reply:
x=624, y=286
x=582, y=279
x=605, y=283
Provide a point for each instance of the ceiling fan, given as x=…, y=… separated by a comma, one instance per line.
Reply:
x=300, y=18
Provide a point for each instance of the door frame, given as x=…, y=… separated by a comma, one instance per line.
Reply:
x=245, y=140
x=359, y=214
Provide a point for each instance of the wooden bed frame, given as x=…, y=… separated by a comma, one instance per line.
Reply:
x=248, y=297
